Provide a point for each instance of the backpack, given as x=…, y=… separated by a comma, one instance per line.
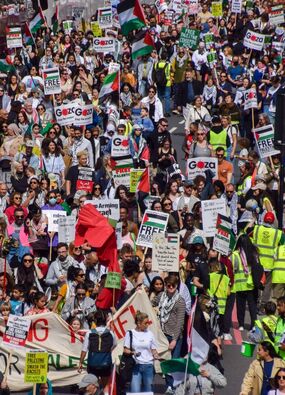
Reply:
x=159, y=76
x=100, y=347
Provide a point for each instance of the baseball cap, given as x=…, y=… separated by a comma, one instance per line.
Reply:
x=198, y=240
x=188, y=183
x=29, y=143
x=260, y=185
x=87, y=380
x=137, y=126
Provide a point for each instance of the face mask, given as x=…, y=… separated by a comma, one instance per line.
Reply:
x=235, y=63
x=52, y=201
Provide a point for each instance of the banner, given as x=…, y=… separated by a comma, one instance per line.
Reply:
x=120, y=146
x=105, y=17
x=217, y=8
x=152, y=222
x=51, y=81
x=189, y=38
x=223, y=237
x=14, y=37
x=276, y=15
x=210, y=211
x=253, y=40
x=104, y=44
x=110, y=208
x=66, y=229
x=53, y=217
x=135, y=176
x=250, y=99
x=165, y=253
x=198, y=166
x=74, y=113
x=236, y=6
x=16, y=331
x=264, y=138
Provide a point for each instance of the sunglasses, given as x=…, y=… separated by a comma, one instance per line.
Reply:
x=97, y=188
x=230, y=192
x=166, y=204
x=28, y=260
x=17, y=198
x=77, y=248
x=281, y=377
x=19, y=217
x=200, y=134
x=33, y=182
x=170, y=286
x=81, y=294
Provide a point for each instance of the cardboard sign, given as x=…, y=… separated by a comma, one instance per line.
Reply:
x=189, y=38
x=17, y=330
x=250, y=99
x=198, y=166
x=113, y=280
x=276, y=15
x=217, y=8
x=36, y=367
x=14, y=37
x=120, y=146
x=110, y=208
x=104, y=44
x=135, y=176
x=153, y=222
x=66, y=229
x=96, y=29
x=264, y=138
x=51, y=81
x=85, y=179
x=105, y=17
x=74, y=113
x=210, y=211
x=236, y=6
x=253, y=40
x=53, y=217
x=223, y=236
x=165, y=253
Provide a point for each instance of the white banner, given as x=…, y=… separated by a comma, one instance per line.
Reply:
x=254, y=40
x=104, y=44
x=120, y=146
x=198, y=167
x=165, y=253
x=53, y=217
x=210, y=211
x=74, y=114
x=66, y=229
x=110, y=208
x=250, y=99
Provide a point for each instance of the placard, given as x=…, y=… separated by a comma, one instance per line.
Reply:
x=51, y=81
x=254, y=40
x=110, y=208
x=198, y=167
x=36, y=367
x=105, y=17
x=223, y=237
x=77, y=12
x=14, y=37
x=276, y=15
x=165, y=252
x=67, y=26
x=193, y=7
x=53, y=217
x=153, y=222
x=104, y=44
x=85, y=179
x=189, y=38
x=118, y=230
x=17, y=330
x=209, y=40
x=74, y=113
x=236, y=6
x=120, y=146
x=122, y=171
x=264, y=138
x=217, y=8
x=135, y=176
x=250, y=99
x=113, y=280
x=96, y=29
x=66, y=229
x=210, y=210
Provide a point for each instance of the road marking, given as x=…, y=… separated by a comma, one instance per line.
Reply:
x=181, y=122
x=172, y=129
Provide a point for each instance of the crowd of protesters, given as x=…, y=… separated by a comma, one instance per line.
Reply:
x=40, y=162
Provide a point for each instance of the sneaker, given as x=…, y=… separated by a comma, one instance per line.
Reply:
x=227, y=336
x=241, y=328
x=169, y=390
x=175, y=112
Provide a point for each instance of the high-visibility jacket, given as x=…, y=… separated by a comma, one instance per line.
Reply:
x=279, y=332
x=267, y=325
x=219, y=285
x=242, y=281
x=278, y=271
x=218, y=139
x=266, y=239
x=242, y=186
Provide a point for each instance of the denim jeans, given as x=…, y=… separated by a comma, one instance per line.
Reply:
x=175, y=353
x=142, y=379
x=165, y=93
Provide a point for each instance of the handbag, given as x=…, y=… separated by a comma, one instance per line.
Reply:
x=127, y=364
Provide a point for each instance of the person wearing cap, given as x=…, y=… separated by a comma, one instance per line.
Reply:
x=187, y=199
x=267, y=239
x=199, y=259
x=89, y=385
x=27, y=158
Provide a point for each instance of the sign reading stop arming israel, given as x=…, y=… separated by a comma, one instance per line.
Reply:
x=51, y=81
x=253, y=40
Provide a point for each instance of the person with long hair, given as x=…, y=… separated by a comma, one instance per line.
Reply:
x=28, y=272
x=39, y=304
x=156, y=287
x=15, y=202
x=279, y=383
x=34, y=197
x=174, y=220
x=84, y=76
x=172, y=192
x=53, y=162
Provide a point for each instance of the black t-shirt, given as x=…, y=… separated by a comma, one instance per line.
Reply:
x=78, y=174
x=202, y=272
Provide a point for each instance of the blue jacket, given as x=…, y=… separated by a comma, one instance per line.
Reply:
x=147, y=125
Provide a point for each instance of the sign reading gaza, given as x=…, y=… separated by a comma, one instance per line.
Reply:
x=198, y=166
x=74, y=114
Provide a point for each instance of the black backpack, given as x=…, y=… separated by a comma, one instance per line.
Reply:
x=159, y=76
x=100, y=348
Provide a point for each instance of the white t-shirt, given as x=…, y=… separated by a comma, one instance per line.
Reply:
x=143, y=342
x=100, y=330
x=275, y=392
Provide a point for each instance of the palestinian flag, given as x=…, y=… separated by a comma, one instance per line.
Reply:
x=121, y=163
x=28, y=37
x=54, y=20
x=131, y=16
x=154, y=219
x=198, y=343
x=144, y=184
x=143, y=45
x=110, y=84
x=6, y=67
x=45, y=130
x=37, y=22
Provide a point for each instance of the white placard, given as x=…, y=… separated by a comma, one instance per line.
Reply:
x=210, y=211
x=17, y=330
x=250, y=99
x=165, y=252
x=104, y=44
x=236, y=6
x=110, y=208
x=254, y=40
x=198, y=167
x=51, y=81
x=66, y=229
x=53, y=217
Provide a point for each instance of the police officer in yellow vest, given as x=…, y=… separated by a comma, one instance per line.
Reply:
x=280, y=328
x=267, y=239
x=161, y=75
x=278, y=273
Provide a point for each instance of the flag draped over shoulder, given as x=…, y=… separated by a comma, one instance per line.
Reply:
x=131, y=16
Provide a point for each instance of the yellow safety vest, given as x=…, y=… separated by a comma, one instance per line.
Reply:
x=241, y=187
x=218, y=139
x=242, y=280
x=161, y=65
x=219, y=284
x=279, y=331
x=278, y=271
x=267, y=324
x=266, y=239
